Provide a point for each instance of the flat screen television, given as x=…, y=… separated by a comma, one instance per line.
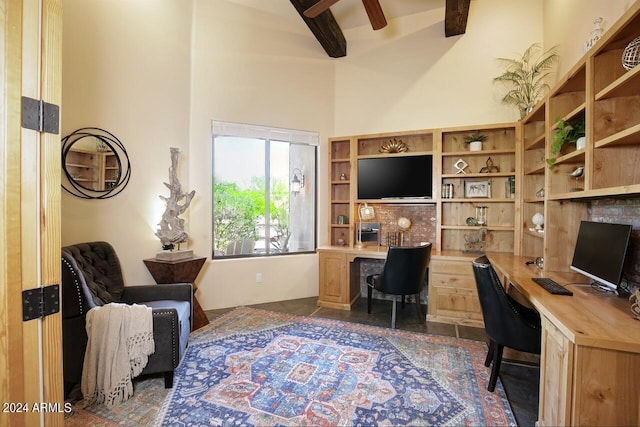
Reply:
x=600, y=252
x=395, y=177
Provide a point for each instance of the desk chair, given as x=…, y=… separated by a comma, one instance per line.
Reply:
x=507, y=322
x=403, y=274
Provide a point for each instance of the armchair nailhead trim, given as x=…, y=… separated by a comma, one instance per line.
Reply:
x=173, y=334
x=75, y=281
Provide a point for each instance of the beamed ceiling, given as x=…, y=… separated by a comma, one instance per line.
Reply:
x=329, y=34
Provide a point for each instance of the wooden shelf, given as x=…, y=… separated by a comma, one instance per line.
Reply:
x=404, y=154
x=609, y=192
x=534, y=200
x=476, y=227
x=535, y=234
x=627, y=136
x=477, y=153
x=477, y=175
x=420, y=201
x=625, y=85
x=537, y=142
x=537, y=169
x=479, y=200
x=93, y=169
x=340, y=190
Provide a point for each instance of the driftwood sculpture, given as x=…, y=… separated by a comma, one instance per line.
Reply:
x=171, y=227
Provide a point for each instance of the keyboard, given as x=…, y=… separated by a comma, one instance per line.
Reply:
x=552, y=286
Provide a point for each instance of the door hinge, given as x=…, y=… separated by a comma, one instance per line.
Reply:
x=40, y=302
x=40, y=116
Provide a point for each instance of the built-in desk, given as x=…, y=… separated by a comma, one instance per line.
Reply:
x=452, y=292
x=340, y=275
x=590, y=361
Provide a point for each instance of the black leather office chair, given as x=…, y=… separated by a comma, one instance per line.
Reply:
x=403, y=274
x=507, y=322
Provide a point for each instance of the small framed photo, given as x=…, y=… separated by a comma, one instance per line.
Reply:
x=477, y=189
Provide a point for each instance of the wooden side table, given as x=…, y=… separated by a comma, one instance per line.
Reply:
x=180, y=271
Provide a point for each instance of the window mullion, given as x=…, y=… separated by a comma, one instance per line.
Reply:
x=267, y=196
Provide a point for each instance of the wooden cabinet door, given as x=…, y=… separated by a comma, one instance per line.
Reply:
x=31, y=355
x=453, y=297
x=556, y=364
x=333, y=278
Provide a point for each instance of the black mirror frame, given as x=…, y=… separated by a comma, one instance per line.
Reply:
x=122, y=159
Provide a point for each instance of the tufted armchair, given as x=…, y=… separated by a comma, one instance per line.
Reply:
x=91, y=276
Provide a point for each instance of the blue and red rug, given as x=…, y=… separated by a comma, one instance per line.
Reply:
x=254, y=367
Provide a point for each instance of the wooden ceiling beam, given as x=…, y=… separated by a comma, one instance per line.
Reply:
x=455, y=18
x=325, y=28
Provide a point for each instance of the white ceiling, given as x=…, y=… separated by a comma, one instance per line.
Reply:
x=349, y=13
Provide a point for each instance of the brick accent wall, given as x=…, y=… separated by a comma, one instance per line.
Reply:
x=625, y=211
x=423, y=229
x=422, y=217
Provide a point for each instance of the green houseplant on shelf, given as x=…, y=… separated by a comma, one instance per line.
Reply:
x=564, y=133
x=525, y=77
x=475, y=141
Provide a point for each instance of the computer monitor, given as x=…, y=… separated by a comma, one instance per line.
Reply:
x=600, y=251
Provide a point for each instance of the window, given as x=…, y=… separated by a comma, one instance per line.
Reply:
x=264, y=190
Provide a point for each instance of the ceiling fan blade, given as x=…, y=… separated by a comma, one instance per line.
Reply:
x=376, y=15
x=319, y=7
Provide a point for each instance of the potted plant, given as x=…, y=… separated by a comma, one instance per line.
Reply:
x=475, y=141
x=525, y=77
x=565, y=133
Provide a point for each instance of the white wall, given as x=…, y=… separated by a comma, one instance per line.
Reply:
x=418, y=78
x=156, y=74
x=126, y=69
x=133, y=69
x=568, y=25
x=253, y=67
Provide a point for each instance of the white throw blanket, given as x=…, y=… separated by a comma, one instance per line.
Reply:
x=120, y=342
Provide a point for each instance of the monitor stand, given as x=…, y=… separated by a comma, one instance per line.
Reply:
x=604, y=288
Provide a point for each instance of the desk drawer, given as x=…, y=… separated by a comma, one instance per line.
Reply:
x=451, y=274
x=452, y=281
x=456, y=303
x=448, y=266
x=453, y=297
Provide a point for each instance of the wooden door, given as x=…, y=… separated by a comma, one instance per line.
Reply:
x=31, y=385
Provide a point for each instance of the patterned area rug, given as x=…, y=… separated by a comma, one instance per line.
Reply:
x=141, y=410
x=254, y=367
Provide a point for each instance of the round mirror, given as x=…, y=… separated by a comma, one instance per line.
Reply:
x=95, y=164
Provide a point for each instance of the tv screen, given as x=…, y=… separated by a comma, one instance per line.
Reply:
x=395, y=177
x=600, y=251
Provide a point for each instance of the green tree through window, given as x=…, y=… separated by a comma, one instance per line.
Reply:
x=254, y=211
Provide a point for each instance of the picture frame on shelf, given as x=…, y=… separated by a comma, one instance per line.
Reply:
x=474, y=189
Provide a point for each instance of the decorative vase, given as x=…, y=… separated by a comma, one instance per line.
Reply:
x=475, y=146
x=538, y=221
x=524, y=111
x=634, y=300
x=581, y=143
x=631, y=54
